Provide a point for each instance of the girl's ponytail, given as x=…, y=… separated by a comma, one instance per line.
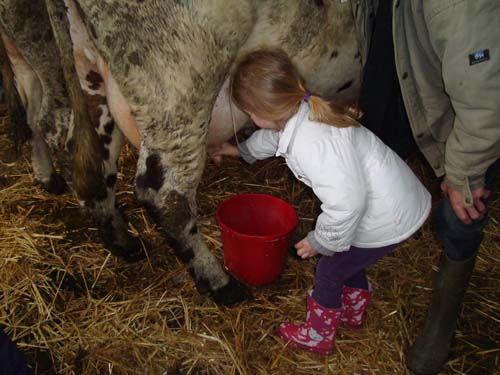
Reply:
x=329, y=113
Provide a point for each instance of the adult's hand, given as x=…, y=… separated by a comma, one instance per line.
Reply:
x=467, y=213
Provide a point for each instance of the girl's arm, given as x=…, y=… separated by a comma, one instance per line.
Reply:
x=262, y=144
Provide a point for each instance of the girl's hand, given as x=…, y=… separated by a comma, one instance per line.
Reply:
x=304, y=249
x=225, y=149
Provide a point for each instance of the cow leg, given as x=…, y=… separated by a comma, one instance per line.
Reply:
x=18, y=128
x=112, y=226
x=101, y=206
x=30, y=92
x=167, y=187
x=41, y=160
x=43, y=169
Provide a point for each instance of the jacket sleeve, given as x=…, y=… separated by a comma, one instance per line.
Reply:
x=262, y=144
x=473, y=85
x=337, y=180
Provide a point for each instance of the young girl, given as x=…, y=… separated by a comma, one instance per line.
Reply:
x=371, y=200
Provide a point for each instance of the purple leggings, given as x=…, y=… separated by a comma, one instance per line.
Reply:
x=345, y=268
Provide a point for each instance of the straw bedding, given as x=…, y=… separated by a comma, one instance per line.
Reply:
x=73, y=308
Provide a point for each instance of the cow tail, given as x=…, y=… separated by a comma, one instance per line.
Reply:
x=88, y=167
x=17, y=128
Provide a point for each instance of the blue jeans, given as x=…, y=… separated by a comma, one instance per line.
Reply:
x=461, y=241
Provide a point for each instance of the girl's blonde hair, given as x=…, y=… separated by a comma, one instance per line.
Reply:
x=267, y=84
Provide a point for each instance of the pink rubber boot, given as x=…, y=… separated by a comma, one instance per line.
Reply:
x=354, y=303
x=317, y=334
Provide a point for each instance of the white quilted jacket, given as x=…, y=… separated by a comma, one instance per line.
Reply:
x=370, y=197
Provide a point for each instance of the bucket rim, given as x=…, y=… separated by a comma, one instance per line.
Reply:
x=276, y=236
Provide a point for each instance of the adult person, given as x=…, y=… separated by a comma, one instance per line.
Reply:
x=447, y=55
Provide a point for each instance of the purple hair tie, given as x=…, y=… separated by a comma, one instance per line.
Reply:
x=307, y=97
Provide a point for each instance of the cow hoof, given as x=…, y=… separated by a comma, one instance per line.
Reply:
x=116, y=238
x=56, y=185
x=202, y=284
x=232, y=293
x=131, y=252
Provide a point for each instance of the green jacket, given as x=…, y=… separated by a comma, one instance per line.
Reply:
x=448, y=62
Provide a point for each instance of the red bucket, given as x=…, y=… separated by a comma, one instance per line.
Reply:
x=256, y=231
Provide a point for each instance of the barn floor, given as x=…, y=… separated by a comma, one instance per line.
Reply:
x=73, y=308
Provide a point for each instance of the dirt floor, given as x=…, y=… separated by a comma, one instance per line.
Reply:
x=73, y=308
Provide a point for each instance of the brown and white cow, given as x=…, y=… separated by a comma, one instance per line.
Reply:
x=162, y=66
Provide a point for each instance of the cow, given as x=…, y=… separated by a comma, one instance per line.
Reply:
x=159, y=74
x=29, y=43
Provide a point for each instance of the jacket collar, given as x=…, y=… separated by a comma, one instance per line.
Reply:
x=287, y=136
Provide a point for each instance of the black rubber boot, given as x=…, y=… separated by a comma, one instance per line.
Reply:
x=430, y=350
